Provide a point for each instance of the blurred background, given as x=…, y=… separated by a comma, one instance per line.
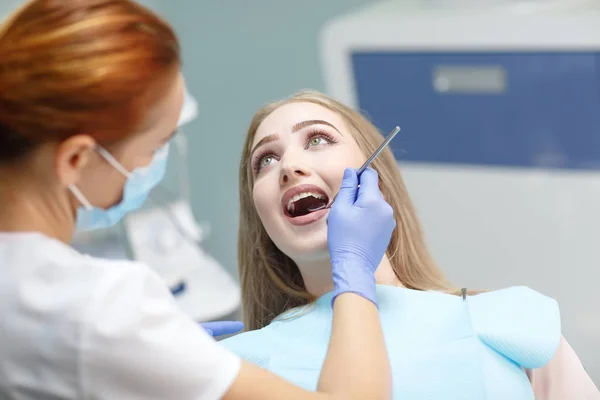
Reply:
x=499, y=103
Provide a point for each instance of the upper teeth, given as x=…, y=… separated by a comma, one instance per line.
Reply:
x=290, y=204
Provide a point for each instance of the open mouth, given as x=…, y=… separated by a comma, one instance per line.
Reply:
x=302, y=203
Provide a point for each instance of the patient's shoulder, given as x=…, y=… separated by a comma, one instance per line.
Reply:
x=518, y=322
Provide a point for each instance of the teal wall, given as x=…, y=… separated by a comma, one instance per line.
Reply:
x=239, y=55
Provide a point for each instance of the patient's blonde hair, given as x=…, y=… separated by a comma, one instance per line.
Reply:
x=271, y=282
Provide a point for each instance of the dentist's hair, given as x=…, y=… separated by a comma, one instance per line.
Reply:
x=80, y=66
x=271, y=282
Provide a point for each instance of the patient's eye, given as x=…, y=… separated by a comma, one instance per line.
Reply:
x=317, y=141
x=265, y=161
x=319, y=138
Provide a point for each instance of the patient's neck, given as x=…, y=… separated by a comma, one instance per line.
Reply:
x=318, y=279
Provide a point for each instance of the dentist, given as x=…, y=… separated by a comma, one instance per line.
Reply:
x=90, y=95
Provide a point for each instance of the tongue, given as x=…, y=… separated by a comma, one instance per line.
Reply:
x=303, y=206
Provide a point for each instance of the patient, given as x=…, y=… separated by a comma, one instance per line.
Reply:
x=503, y=344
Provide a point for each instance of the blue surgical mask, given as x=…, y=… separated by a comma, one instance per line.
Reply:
x=138, y=186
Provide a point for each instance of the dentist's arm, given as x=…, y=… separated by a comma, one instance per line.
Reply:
x=357, y=366
x=136, y=343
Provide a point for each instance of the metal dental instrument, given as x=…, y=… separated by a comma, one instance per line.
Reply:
x=383, y=145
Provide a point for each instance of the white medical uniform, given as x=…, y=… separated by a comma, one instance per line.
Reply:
x=77, y=327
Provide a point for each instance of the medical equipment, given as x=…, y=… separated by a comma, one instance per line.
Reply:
x=439, y=345
x=168, y=239
x=383, y=145
x=503, y=163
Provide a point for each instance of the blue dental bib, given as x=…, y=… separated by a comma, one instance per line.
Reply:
x=440, y=346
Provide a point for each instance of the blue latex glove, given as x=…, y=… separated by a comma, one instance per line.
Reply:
x=360, y=226
x=220, y=328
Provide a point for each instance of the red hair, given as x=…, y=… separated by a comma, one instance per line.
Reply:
x=80, y=66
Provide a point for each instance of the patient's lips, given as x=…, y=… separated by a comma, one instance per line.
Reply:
x=297, y=201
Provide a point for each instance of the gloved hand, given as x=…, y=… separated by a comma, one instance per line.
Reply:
x=220, y=328
x=360, y=226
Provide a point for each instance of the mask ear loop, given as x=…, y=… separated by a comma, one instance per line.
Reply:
x=80, y=197
x=113, y=161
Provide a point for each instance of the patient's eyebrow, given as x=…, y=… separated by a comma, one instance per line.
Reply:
x=304, y=124
x=265, y=140
x=295, y=128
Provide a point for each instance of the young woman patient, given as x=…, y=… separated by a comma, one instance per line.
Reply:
x=503, y=344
